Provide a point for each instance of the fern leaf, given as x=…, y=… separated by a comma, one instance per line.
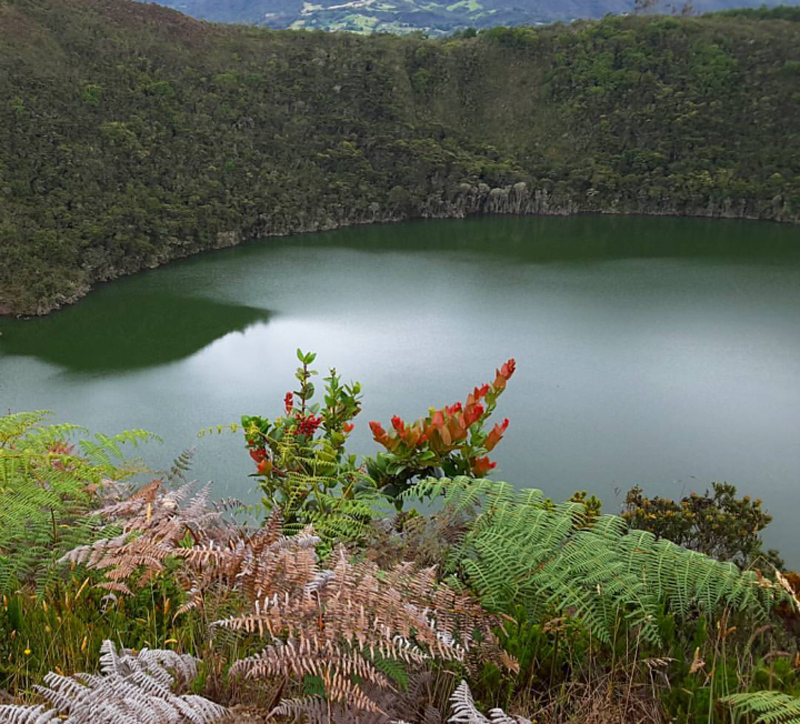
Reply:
x=769, y=707
x=133, y=689
x=521, y=550
x=463, y=707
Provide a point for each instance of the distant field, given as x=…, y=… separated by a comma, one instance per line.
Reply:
x=432, y=17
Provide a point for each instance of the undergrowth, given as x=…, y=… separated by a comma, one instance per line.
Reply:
x=347, y=604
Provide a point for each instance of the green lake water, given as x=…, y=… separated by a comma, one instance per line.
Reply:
x=652, y=351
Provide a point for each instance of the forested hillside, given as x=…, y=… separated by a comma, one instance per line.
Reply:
x=131, y=135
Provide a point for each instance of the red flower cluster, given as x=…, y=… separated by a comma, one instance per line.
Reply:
x=307, y=425
x=447, y=429
x=503, y=375
x=378, y=433
x=288, y=403
x=411, y=435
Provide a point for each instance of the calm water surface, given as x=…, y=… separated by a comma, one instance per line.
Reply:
x=659, y=352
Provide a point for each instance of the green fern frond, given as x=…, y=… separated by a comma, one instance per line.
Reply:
x=47, y=490
x=523, y=550
x=395, y=669
x=105, y=450
x=180, y=466
x=769, y=707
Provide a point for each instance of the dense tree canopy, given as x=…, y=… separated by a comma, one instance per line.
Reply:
x=131, y=135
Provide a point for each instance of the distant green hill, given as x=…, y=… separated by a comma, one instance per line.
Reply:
x=131, y=135
x=433, y=17
x=779, y=12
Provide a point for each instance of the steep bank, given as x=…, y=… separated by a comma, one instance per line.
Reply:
x=131, y=135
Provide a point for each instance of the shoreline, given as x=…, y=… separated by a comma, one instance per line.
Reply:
x=237, y=238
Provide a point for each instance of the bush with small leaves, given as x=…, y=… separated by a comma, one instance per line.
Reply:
x=716, y=523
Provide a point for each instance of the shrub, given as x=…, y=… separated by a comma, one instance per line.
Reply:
x=715, y=523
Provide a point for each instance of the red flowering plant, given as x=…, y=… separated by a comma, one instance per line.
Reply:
x=300, y=457
x=453, y=440
x=303, y=467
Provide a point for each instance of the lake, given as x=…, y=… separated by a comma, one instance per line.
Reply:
x=653, y=351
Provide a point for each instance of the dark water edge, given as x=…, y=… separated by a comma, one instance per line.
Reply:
x=480, y=204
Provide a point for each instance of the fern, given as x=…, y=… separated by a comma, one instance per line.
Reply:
x=395, y=709
x=355, y=627
x=337, y=518
x=48, y=486
x=768, y=707
x=132, y=689
x=176, y=475
x=465, y=711
x=351, y=625
x=521, y=549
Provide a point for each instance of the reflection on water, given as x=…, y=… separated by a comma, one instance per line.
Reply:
x=543, y=240
x=127, y=332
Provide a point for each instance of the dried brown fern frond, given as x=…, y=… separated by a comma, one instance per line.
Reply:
x=256, y=564
x=132, y=689
x=412, y=705
x=10, y=714
x=332, y=622
x=156, y=524
x=401, y=614
x=308, y=658
x=335, y=620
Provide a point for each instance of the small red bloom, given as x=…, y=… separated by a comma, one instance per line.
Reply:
x=508, y=368
x=496, y=435
x=378, y=433
x=481, y=466
x=288, y=402
x=258, y=454
x=348, y=427
x=265, y=467
x=398, y=424
x=473, y=414
x=308, y=425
